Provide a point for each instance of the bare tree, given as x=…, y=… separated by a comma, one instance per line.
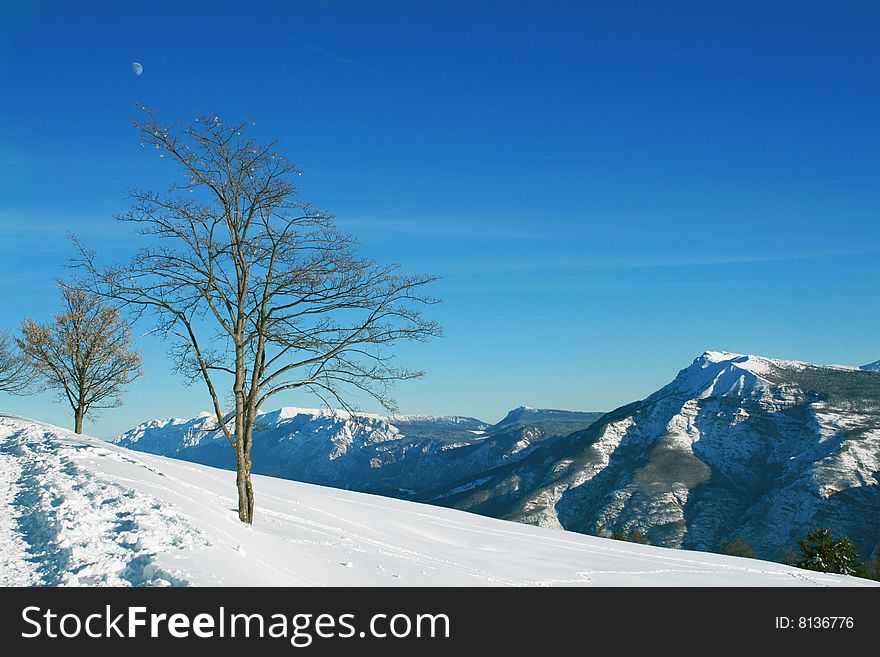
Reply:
x=257, y=289
x=15, y=375
x=84, y=353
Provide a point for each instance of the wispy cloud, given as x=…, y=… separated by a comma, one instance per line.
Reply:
x=16, y=278
x=557, y=264
x=579, y=285
x=18, y=228
x=341, y=60
x=17, y=222
x=451, y=229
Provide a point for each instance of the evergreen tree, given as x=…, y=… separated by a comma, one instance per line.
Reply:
x=738, y=547
x=821, y=552
x=639, y=537
x=635, y=536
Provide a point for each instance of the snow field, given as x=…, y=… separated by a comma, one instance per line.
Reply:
x=84, y=512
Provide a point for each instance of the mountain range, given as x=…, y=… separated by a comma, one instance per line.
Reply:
x=77, y=511
x=735, y=447
x=402, y=456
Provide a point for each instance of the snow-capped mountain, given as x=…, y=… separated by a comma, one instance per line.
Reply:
x=402, y=456
x=76, y=511
x=871, y=367
x=735, y=447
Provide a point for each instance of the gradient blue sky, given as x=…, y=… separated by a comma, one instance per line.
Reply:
x=606, y=189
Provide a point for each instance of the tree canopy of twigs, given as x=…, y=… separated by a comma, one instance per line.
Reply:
x=258, y=290
x=15, y=375
x=84, y=353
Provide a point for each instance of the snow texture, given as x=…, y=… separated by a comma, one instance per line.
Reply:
x=83, y=512
x=370, y=453
x=735, y=447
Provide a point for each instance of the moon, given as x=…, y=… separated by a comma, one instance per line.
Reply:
x=137, y=68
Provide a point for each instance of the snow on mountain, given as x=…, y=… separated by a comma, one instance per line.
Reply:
x=323, y=446
x=79, y=511
x=719, y=373
x=871, y=367
x=735, y=446
x=402, y=456
x=561, y=421
x=445, y=420
x=440, y=427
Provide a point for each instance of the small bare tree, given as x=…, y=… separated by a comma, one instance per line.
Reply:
x=84, y=353
x=257, y=289
x=15, y=375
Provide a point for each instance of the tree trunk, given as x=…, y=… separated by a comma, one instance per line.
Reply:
x=243, y=435
x=243, y=477
x=78, y=420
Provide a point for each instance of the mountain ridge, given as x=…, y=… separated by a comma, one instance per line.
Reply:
x=359, y=452
x=736, y=446
x=81, y=512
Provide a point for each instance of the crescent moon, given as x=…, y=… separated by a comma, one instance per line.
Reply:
x=137, y=68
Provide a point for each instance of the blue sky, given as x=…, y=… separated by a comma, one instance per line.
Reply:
x=606, y=189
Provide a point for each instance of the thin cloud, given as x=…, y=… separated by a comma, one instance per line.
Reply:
x=20, y=277
x=15, y=228
x=545, y=264
x=590, y=286
x=14, y=223
x=433, y=228
x=341, y=60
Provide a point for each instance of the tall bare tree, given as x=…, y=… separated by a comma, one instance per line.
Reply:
x=15, y=375
x=259, y=291
x=84, y=353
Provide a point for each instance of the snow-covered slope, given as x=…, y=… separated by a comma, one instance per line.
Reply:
x=871, y=367
x=78, y=511
x=735, y=446
x=402, y=456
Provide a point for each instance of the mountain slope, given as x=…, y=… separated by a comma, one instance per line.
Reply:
x=552, y=422
x=78, y=511
x=402, y=456
x=735, y=447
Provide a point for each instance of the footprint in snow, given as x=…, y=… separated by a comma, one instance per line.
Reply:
x=347, y=564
